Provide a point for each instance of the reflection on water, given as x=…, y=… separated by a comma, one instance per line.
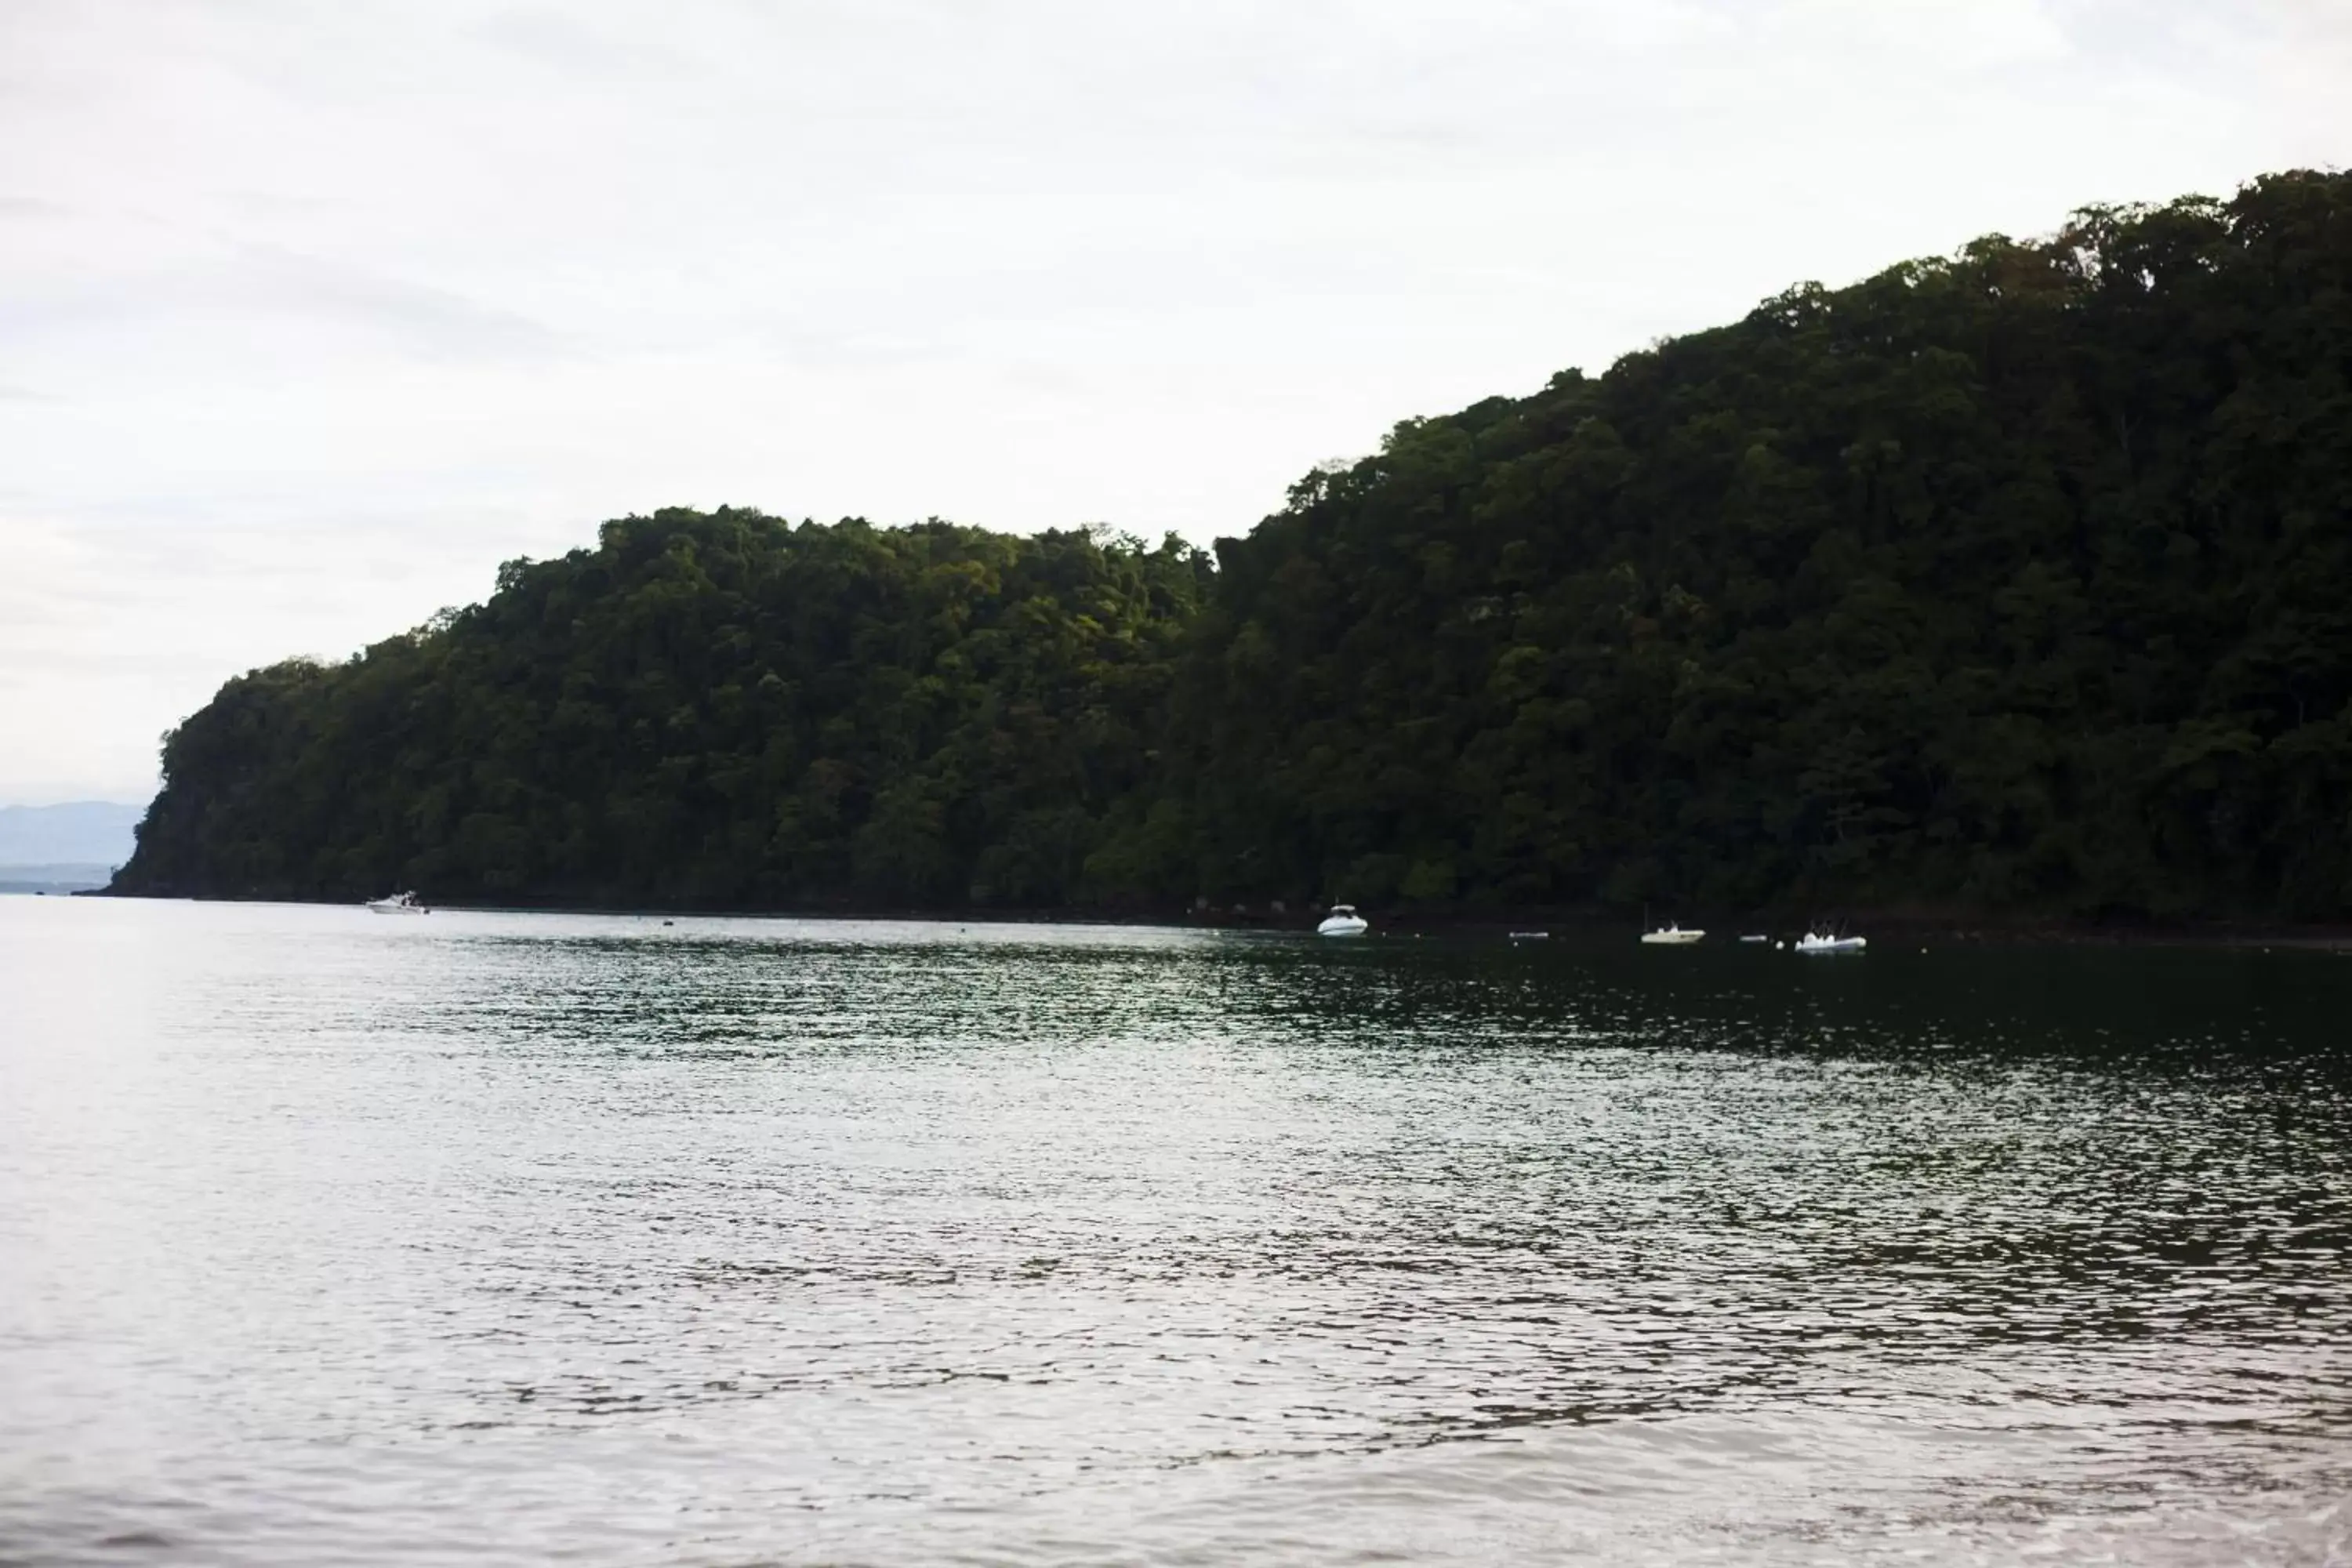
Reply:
x=326, y=1238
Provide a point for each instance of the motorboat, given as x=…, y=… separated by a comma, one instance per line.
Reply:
x=398, y=904
x=1671, y=936
x=1823, y=942
x=1755, y=938
x=1343, y=920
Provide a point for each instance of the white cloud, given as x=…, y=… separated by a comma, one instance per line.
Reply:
x=313, y=314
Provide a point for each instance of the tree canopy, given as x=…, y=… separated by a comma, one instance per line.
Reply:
x=721, y=710
x=2015, y=580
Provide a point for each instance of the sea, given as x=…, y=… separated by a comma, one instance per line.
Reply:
x=329, y=1237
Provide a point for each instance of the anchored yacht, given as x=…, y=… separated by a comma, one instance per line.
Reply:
x=1823, y=942
x=1343, y=920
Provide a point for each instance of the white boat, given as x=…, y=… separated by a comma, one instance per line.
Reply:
x=1343, y=920
x=398, y=904
x=1822, y=942
x=1671, y=936
x=1756, y=939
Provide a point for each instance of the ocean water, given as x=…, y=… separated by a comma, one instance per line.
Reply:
x=328, y=1237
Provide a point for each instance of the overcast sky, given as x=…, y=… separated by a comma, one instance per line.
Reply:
x=310, y=314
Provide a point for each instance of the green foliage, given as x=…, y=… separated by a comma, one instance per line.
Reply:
x=720, y=710
x=2016, y=580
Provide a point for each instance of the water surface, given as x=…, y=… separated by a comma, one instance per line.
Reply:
x=328, y=1237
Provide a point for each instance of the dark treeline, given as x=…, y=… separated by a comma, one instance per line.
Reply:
x=2011, y=581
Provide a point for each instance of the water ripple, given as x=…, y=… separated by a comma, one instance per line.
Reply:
x=493, y=1238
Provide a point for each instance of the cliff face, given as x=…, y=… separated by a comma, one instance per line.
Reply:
x=2014, y=581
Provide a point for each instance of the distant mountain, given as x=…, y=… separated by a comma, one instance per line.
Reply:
x=77, y=834
x=65, y=879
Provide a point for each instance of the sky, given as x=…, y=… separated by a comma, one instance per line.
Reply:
x=310, y=315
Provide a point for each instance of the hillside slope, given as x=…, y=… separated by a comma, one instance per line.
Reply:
x=721, y=710
x=2019, y=580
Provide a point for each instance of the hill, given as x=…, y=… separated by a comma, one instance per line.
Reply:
x=724, y=710
x=2014, y=580
x=2017, y=580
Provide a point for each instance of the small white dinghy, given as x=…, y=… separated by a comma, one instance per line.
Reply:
x=398, y=904
x=1671, y=936
x=1343, y=920
x=1822, y=942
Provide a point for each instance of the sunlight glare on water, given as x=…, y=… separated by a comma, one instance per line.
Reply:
x=331, y=1238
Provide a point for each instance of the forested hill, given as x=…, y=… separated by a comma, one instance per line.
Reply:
x=2017, y=581
x=723, y=711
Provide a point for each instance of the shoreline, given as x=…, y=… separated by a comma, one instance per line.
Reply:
x=1945, y=927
